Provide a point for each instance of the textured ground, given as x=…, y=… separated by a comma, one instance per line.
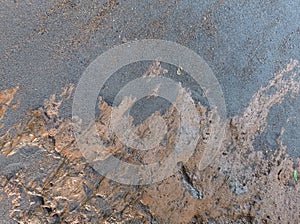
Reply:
x=252, y=48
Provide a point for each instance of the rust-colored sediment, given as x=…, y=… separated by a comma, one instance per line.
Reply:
x=6, y=97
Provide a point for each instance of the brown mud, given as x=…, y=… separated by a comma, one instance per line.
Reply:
x=243, y=184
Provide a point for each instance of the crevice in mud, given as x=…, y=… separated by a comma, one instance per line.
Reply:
x=187, y=183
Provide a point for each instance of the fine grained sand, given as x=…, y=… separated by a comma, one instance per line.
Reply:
x=47, y=45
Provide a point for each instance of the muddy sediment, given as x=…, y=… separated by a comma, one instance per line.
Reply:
x=46, y=178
